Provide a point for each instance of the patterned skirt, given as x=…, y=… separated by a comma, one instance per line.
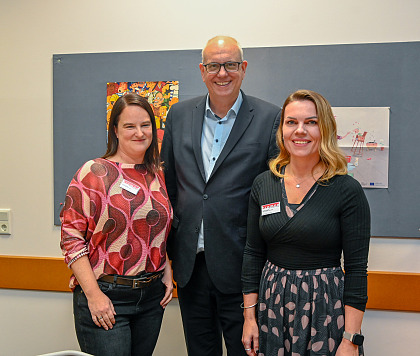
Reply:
x=301, y=312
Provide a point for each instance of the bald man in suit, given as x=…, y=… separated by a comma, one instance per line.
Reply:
x=213, y=148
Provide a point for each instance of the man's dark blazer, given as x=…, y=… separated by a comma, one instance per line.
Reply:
x=222, y=202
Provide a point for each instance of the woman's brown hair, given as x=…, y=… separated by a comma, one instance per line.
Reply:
x=151, y=157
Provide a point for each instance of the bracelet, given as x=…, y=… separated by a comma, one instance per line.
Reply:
x=251, y=306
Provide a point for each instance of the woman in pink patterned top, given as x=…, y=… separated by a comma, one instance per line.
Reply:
x=115, y=223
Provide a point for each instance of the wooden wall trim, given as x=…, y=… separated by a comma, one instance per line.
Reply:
x=397, y=291
x=394, y=291
x=34, y=273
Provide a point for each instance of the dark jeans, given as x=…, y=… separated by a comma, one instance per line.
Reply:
x=207, y=314
x=137, y=323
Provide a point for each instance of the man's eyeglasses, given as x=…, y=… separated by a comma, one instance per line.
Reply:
x=213, y=68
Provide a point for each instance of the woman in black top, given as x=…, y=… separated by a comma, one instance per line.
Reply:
x=303, y=214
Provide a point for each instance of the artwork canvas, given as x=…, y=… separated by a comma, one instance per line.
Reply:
x=161, y=96
x=363, y=135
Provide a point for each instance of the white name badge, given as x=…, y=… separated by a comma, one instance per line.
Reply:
x=130, y=187
x=271, y=208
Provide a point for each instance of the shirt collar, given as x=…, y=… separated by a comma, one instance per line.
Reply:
x=233, y=110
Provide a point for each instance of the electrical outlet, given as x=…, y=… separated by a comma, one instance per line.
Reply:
x=5, y=224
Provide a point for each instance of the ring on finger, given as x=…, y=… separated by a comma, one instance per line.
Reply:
x=248, y=349
x=100, y=317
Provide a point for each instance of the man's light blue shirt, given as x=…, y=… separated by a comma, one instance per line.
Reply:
x=214, y=135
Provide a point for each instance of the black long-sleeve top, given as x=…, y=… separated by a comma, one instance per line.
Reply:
x=335, y=219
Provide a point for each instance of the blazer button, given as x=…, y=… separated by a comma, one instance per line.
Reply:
x=197, y=229
x=205, y=196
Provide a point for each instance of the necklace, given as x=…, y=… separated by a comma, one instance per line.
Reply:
x=314, y=175
x=298, y=184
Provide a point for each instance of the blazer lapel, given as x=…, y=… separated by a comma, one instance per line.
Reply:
x=197, y=127
x=242, y=121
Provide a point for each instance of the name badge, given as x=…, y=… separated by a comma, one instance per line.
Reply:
x=130, y=187
x=271, y=208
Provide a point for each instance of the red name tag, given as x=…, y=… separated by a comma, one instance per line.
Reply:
x=271, y=208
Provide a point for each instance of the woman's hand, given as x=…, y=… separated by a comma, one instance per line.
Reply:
x=353, y=323
x=167, y=281
x=102, y=310
x=250, y=336
x=347, y=348
x=250, y=329
x=100, y=306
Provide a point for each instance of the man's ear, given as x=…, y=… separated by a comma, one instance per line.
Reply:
x=244, y=64
x=203, y=71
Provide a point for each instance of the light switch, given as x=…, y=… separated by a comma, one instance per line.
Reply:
x=5, y=224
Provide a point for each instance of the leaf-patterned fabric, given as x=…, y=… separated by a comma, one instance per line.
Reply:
x=301, y=311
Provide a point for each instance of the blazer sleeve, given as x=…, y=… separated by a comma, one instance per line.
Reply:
x=273, y=147
x=168, y=161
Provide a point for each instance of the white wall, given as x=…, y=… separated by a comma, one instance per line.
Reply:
x=32, y=31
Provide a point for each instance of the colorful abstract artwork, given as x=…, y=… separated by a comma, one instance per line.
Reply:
x=161, y=96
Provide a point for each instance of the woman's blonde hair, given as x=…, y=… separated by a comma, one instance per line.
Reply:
x=330, y=154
